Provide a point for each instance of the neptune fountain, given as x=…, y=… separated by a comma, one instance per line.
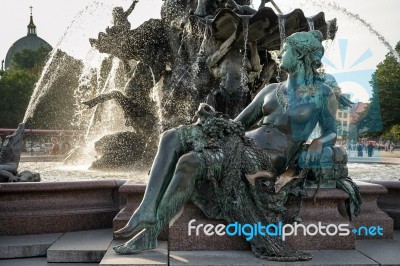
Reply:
x=218, y=55
x=244, y=153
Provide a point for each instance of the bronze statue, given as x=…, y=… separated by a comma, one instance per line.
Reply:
x=244, y=169
x=216, y=52
x=10, y=155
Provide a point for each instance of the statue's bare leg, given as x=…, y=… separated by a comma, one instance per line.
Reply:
x=178, y=192
x=161, y=173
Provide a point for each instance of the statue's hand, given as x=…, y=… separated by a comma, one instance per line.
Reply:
x=91, y=103
x=314, y=152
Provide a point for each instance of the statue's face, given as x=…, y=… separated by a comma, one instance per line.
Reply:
x=230, y=72
x=288, y=58
x=118, y=12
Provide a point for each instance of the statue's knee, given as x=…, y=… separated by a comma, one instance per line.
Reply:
x=168, y=135
x=169, y=140
x=188, y=163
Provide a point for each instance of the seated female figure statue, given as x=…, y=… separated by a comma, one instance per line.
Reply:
x=217, y=162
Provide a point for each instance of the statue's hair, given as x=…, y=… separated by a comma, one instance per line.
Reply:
x=309, y=45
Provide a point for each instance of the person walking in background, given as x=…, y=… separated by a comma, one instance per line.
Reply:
x=370, y=149
x=360, y=148
x=54, y=146
x=391, y=146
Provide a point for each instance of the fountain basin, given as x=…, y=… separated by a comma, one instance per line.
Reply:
x=54, y=207
x=58, y=171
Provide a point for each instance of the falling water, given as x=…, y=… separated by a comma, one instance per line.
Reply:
x=88, y=80
x=243, y=80
x=282, y=24
x=200, y=53
x=44, y=83
x=156, y=96
x=39, y=93
x=311, y=25
x=109, y=85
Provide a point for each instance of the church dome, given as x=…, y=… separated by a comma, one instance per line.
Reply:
x=31, y=42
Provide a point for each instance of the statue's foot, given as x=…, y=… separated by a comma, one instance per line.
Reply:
x=290, y=255
x=135, y=224
x=295, y=256
x=141, y=242
x=281, y=252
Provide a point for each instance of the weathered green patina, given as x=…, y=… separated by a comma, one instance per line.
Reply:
x=244, y=170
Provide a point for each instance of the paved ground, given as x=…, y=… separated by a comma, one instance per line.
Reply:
x=80, y=246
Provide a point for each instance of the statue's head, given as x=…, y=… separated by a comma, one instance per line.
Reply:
x=302, y=52
x=203, y=112
x=118, y=12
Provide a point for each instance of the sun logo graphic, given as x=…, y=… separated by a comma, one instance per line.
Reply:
x=350, y=72
x=351, y=67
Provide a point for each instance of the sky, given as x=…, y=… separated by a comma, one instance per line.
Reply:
x=351, y=57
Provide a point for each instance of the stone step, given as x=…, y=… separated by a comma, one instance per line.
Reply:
x=383, y=251
x=396, y=235
x=371, y=214
x=158, y=256
x=26, y=246
x=238, y=258
x=40, y=261
x=84, y=246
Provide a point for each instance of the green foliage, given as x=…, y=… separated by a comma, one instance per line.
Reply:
x=371, y=122
x=388, y=82
x=393, y=134
x=29, y=60
x=383, y=112
x=17, y=84
x=55, y=109
x=16, y=87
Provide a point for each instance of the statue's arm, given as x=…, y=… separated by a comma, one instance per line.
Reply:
x=130, y=9
x=327, y=119
x=117, y=95
x=253, y=112
x=327, y=122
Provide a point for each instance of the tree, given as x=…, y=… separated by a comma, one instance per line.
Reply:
x=393, y=134
x=16, y=87
x=17, y=83
x=371, y=119
x=30, y=60
x=388, y=82
x=383, y=111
